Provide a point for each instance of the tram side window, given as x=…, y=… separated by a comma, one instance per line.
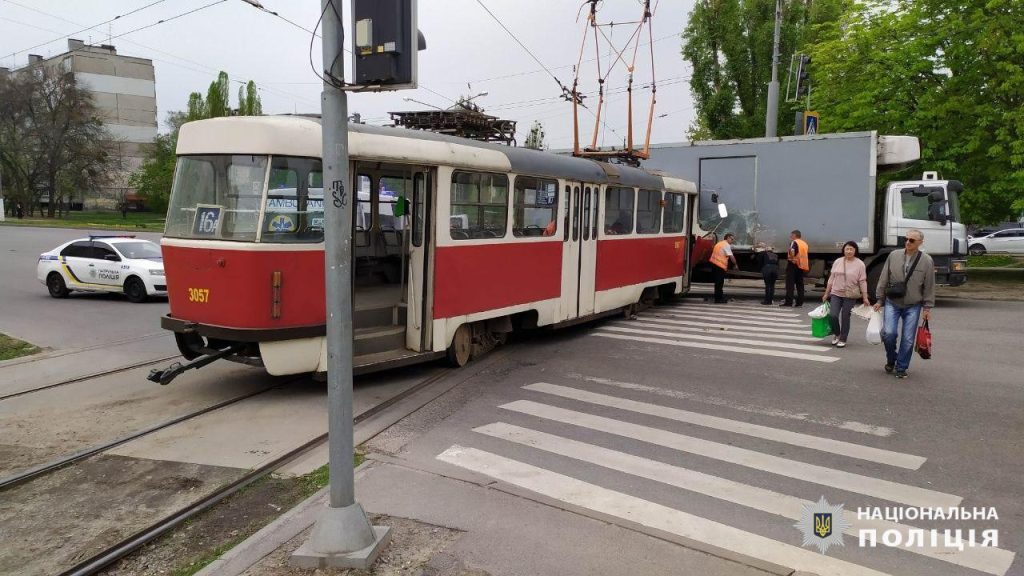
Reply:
x=618, y=210
x=294, y=211
x=364, y=210
x=674, y=212
x=391, y=189
x=479, y=205
x=565, y=221
x=535, y=207
x=648, y=212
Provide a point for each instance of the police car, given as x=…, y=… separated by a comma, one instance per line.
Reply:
x=104, y=264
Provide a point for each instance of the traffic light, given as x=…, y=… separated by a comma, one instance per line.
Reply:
x=803, y=76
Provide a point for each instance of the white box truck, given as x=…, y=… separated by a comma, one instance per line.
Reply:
x=826, y=187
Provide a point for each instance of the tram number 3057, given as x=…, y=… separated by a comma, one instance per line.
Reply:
x=201, y=295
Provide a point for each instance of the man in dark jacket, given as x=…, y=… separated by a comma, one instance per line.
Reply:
x=911, y=272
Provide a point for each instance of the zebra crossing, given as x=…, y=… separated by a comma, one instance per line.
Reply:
x=520, y=422
x=737, y=328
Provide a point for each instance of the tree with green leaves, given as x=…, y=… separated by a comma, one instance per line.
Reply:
x=249, y=101
x=153, y=180
x=51, y=137
x=728, y=44
x=951, y=75
x=535, y=139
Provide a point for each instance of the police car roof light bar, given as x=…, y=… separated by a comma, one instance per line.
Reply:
x=94, y=236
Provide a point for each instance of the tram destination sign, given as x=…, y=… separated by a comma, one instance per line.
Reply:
x=208, y=221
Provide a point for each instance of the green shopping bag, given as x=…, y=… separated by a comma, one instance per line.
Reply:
x=820, y=327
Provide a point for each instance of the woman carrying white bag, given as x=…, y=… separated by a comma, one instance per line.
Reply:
x=847, y=284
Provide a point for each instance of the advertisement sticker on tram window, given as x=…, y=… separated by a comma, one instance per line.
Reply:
x=208, y=221
x=281, y=223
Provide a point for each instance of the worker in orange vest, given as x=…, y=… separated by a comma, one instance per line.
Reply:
x=799, y=264
x=721, y=256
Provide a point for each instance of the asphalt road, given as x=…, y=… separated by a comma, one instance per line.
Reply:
x=83, y=319
x=679, y=428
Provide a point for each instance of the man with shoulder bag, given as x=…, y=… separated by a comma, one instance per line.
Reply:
x=906, y=288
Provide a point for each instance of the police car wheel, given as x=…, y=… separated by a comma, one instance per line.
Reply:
x=55, y=284
x=135, y=290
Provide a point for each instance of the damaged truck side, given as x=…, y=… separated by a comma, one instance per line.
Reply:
x=826, y=187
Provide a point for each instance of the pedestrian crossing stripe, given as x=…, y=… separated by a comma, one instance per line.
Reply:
x=659, y=517
x=831, y=477
x=788, y=318
x=719, y=347
x=849, y=425
x=987, y=559
x=624, y=328
x=779, y=322
x=848, y=449
x=725, y=325
x=659, y=324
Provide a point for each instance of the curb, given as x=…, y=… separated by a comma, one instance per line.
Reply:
x=272, y=536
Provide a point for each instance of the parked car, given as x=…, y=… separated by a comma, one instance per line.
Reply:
x=104, y=264
x=980, y=232
x=1009, y=241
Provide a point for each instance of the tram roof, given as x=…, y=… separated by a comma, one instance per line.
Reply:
x=301, y=136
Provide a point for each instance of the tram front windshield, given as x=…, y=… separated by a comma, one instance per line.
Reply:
x=247, y=198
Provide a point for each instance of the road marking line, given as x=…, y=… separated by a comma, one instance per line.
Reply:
x=992, y=560
x=851, y=425
x=622, y=327
x=727, y=326
x=744, y=321
x=839, y=479
x=849, y=449
x=762, y=310
x=721, y=347
x=744, y=316
x=666, y=324
x=630, y=508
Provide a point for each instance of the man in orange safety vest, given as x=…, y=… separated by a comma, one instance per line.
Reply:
x=799, y=264
x=721, y=256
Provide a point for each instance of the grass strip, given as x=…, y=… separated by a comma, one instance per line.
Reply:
x=14, y=348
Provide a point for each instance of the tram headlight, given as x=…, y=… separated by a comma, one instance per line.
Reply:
x=156, y=272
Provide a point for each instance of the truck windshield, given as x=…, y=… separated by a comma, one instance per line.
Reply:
x=915, y=205
x=217, y=197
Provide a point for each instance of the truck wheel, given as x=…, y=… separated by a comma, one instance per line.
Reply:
x=55, y=284
x=462, y=347
x=976, y=250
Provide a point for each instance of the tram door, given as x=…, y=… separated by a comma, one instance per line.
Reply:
x=418, y=333
x=579, y=258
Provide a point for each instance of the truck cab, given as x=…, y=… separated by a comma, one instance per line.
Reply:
x=932, y=206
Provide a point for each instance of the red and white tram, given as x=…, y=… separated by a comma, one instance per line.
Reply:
x=494, y=238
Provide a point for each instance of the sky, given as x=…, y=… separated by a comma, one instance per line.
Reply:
x=467, y=53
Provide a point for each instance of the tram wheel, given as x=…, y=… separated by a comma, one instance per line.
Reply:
x=462, y=346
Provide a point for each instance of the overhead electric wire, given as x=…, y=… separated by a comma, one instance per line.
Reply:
x=203, y=67
x=505, y=28
x=83, y=29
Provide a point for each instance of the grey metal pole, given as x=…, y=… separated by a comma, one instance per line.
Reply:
x=772, y=113
x=338, y=264
x=342, y=537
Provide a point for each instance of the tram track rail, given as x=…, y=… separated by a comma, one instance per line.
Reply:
x=91, y=376
x=112, y=554
x=64, y=461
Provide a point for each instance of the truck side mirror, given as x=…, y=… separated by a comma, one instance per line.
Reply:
x=935, y=213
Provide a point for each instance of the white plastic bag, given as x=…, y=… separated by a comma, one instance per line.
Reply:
x=874, y=333
x=820, y=311
x=863, y=312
